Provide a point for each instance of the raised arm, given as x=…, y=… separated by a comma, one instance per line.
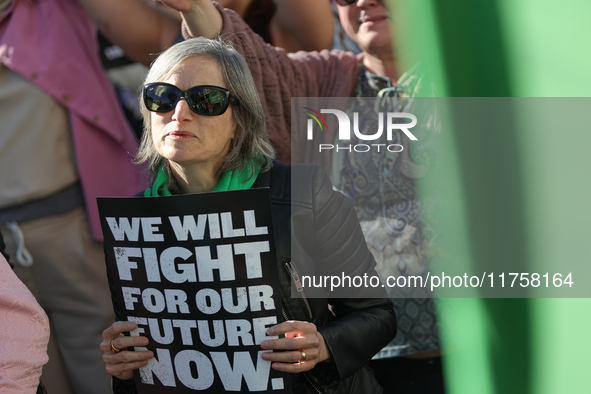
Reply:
x=280, y=76
x=201, y=17
x=140, y=29
x=297, y=25
x=302, y=25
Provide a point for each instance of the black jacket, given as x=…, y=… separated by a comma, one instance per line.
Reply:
x=317, y=233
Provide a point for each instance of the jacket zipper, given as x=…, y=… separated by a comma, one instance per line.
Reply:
x=312, y=384
x=298, y=283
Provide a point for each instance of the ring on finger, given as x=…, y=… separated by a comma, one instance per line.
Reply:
x=303, y=356
x=113, y=348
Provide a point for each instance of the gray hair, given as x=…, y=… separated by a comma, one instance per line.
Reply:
x=251, y=139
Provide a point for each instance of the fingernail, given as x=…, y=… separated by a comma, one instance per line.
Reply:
x=265, y=344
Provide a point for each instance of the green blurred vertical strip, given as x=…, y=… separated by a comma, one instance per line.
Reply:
x=470, y=60
x=549, y=56
x=464, y=323
x=475, y=65
x=489, y=165
x=473, y=51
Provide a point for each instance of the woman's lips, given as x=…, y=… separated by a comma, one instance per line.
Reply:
x=370, y=21
x=179, y=135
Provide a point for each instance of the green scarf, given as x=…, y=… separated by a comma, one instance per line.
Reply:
x=231, y=180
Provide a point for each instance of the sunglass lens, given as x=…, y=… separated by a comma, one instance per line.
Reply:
x=345, y=3
x=208, y=101
x=161, y=98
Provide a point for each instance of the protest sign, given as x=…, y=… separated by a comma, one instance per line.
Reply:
x=198, y=274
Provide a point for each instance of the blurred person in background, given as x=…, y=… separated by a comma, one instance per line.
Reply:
x=24, y=333
x=64, y=142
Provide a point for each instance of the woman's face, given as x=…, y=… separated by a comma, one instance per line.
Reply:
x=184, y=137
x=367, y=23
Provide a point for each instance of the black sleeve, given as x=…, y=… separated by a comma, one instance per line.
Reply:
x=124, y=386
x=365, y=319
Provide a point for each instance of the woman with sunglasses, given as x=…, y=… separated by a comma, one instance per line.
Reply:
x=205, y=132
x=341, y=74
x=301, y=74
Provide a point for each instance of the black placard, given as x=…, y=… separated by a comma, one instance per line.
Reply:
x=198, y=274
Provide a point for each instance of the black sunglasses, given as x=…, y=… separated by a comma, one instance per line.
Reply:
x=204, y=100
x=345, y=3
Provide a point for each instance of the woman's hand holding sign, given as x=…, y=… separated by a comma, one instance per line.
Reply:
x=306, y=347
x=304, y=344
x=119, y=362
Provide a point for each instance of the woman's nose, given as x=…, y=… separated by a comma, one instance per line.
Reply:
x=182, y=112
